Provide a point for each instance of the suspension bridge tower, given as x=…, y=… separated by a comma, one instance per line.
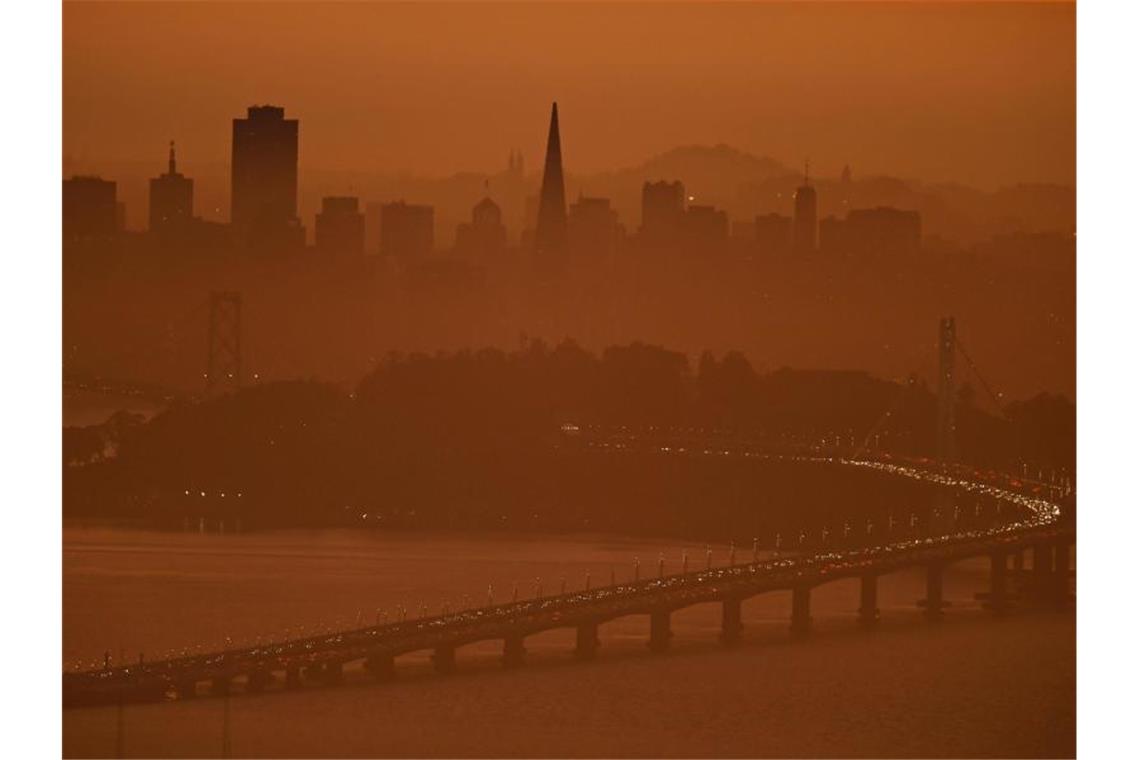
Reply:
x=947, y=343
x=223, y=363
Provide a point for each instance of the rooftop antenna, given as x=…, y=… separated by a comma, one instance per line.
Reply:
x=807, y=164
x=171, y=161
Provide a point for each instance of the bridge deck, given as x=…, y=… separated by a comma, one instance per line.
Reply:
x=152, y=680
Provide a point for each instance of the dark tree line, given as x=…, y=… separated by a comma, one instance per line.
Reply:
x=475, y=439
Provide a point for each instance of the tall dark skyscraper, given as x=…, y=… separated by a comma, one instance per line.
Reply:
x=550, y=231
x=662, y=211
x=263, y=201
x=171, y=198
x=804, y=225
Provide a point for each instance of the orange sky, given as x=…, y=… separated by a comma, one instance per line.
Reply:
x=982, y=94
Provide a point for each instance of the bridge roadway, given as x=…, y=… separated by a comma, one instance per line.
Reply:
x=1040, y=527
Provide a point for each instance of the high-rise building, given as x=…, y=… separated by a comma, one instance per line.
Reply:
x=804, y=222
x=263, y=200
x=406, y=230
x=340, y=227
x=773, y=234
x=90, y=209
x=705, y=228
x=484, y=236
x=550, y=228
x=592, y=228
x=662, y=211
x=171, y=199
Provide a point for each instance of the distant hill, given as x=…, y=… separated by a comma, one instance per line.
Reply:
x=709, y=166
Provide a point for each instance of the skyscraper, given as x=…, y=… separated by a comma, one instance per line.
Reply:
x=340, y=227
x=550, y=230
x=263, y=200
x=406, y=231
x=592, y=229
x=171, y=198
x=662, y=211
x=804, y=222
x=705, y=229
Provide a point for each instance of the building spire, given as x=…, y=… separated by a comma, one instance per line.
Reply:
x=170, y=168
x=550, y=231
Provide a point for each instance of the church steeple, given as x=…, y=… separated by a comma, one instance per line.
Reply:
x=550, y=231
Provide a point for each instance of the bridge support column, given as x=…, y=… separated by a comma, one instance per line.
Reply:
x=801, y=611
x=257, y=680
x=220, y=685
x=659, y=633
x=998, y=599
x=514, y=653
x=1060, y=585
x=444, y=659
x=730, y=625
x=1042, y=569
x=1019, y=561
x=933, y=603
x=187, y=689
x=293, y=678
x=381, y=665
x=333, y=672
x=869, y=600
x=586, y=645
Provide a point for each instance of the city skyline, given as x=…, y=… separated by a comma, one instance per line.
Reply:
x=804, y=204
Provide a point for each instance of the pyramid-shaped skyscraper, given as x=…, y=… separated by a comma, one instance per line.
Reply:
x=550, y=230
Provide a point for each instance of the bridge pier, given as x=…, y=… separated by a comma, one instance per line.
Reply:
x=997, y=600
x=801, y=611
x=659, y=633
x=220, y=685
x=933, y=603
x=1042, y=570
x=587, y=643
x=293, y=678
x=381, y=665
x=1061, y=572
x=187, y=689
x=514, y=653
x=257, y=680
x=731, y=624
x=333, y=672
x=869, y=600
x=444, y=659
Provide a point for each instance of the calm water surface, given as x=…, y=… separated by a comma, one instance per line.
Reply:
x=971, y=686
